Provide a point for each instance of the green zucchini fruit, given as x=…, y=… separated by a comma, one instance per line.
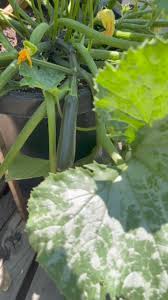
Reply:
x=67, y=139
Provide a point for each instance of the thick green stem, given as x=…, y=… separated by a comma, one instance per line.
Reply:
x=62, y=8
x=105, y=54
x=87, y=77
x=107, y=144
x=8, y=21
x=40, y=10
x=131, y=26
x=72, y=4
x=11, y=86
x=22, y=137
x=55, y=28
x=91, y=14
x=22, y=13
x=95, y=35
x=89, y=158
x=8, y=74
x=102, y=139
x=51, y=113
x=86, y=129
x=17, y=14
x=35, y=11
x=132, y=21
x=7, y=57
x=138, y=14
x=68, y=34
x=141, y=25
x=96, y=4
x=133, y=35
x=47, y=64
x=76, y=10
x=50, y=9
x=160, y=23
x=84, y=11
x=87, y=58
x=4, y=41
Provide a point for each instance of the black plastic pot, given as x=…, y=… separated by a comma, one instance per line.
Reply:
x=17, y=107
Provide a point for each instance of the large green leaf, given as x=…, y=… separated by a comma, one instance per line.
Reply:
x=136, y=92
x=40, y=77
x=103, y=234
x=24, y=167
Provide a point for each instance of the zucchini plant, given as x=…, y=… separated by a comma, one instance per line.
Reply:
x=100, y=231
x=100, y=225
x=49, y=38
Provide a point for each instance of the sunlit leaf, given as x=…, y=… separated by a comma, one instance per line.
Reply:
x=137, y=90
x=103, y=234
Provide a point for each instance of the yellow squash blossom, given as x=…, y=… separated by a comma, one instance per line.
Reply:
x=25, y=55
x=107, y=17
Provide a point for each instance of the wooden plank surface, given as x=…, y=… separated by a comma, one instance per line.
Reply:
x=42, y=288
x=19, y=255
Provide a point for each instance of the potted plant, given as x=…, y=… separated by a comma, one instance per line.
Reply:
x=54, y=45
x=94, y=226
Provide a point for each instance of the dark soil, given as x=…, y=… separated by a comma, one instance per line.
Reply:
x=3, y=3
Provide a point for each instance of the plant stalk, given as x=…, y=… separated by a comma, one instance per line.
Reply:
x=7, y=57
x=55, y=28
x=51, y=113
x=140, y=37
x=8, y=21
x=8, y=73
x=137, y=14
x=132, y=26
x=35, y=11
x=87, y=58
x=22, y=137
x=91, y=14
x=105, y=54
x=5, y=42
x=22, y=13
x=41, y=11
x=97, y=36
x=107, y=144
x=47, y=64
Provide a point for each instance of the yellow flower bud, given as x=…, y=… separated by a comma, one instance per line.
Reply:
x=107, y=17
x=24, y=55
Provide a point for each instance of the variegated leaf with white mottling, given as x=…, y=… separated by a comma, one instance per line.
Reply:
x=103, y=234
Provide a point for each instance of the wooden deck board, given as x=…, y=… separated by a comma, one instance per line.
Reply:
x=20, y=258
x=21, y=255
x=42, y=288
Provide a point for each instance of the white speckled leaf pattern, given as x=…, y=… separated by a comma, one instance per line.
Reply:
x=106, y=237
